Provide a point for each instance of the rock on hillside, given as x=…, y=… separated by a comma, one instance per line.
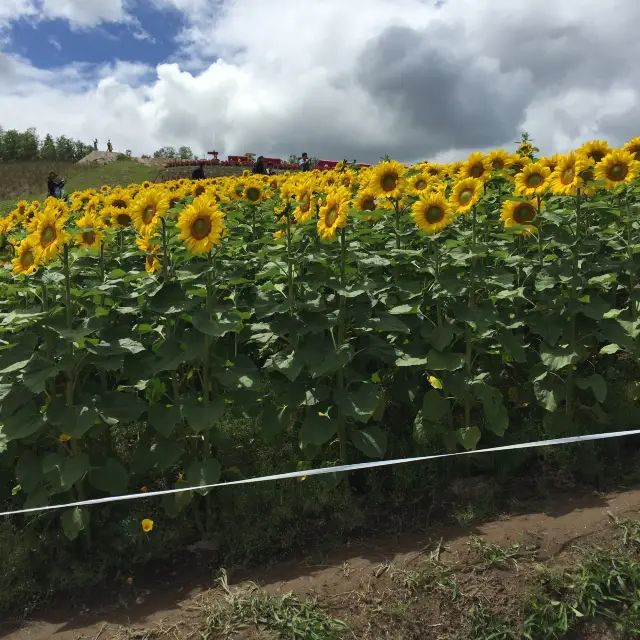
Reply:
x=99, y=158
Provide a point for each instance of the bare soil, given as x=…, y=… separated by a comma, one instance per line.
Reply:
x=369, y=583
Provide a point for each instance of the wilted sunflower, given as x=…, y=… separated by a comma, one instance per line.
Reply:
x=431, y=213
x=49, y=234
x=92, y=236
x=333, y=214
x=498, y=159
x=147, y=209
x=633, y=146
x=465, y=194
x=533, y=180
x=618, y=167
x=566, y=179
x=201, y=225
x=476, y=166
x=595, y=149
x=521, y=214
x=525, y=149
x=387, y=180
x=304, y=196
x=27, y=258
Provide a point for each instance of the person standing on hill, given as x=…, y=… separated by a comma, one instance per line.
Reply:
x=198, y=174
x=109, y=146
x=305, y=165
x=95, y=144
x=54, y=186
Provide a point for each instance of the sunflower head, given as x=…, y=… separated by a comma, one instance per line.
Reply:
x=566, y=179
x=147, y=210
x=201, y=225
x=533, y=179
x=49, y=233
x=618, y=167
x=477, y=166
x=498, y=159
x=419, y=182
x=633, y=147
x=27, y=257
x=333, y=213
x=387, y=180
x=253, y=192
x=520, y=214
x=91, y=236
x=432, y=213
x=595, y=150
x=525, y=149
x=465, y=194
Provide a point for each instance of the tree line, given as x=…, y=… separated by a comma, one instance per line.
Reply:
x=23, y=146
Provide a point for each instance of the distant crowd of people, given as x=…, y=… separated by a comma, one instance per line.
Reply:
x=258, y=167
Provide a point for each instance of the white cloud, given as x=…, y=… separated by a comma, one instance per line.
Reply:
x=85, y=13
x=349, y=79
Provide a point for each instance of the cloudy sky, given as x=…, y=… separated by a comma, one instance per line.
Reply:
x=417, y=79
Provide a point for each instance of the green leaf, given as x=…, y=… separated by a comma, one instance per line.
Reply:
x=163, y=418
x=275, y=419
x=434, y=406
x=514, y=346
x=201, y=417
x=37, y=372
x=64, y=473
x=175, y=503
x=372, y=441
x=74, y=521
x=403, y=309
x=439, y=337
x=169, y=299
x=286, y=362
x=111, y=478
x=357, y=403
x=386, y=322
x=29, y=471
x=444, y=361
x=242, y=374
x=610, y=349
x=555, y=424
x=120, y=406
x=596, y=383
x=405, y=360
x=557, y=357
x=74, y=421
x=317, y=429
x=549, y=392
x=23, y=423
x=204, y=473
x=117, y=347
x=207, y=325
x=469, y=437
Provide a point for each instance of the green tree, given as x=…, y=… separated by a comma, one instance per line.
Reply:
x=48, y=149
x=166, y=152
x=29, y=148
x=10, y=145
x=185, y=153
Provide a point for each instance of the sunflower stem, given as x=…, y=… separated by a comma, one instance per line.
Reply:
x=206, y=389
x=632, y=284
x=397, y=222
x=436, y=258
x=572, y=314
x=539, y=227
x=290, y=262
x=342, y=430
x=468, y=333
x=165, y=257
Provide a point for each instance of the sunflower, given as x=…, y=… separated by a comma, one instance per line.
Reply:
x=633, y=146
x=436, y=170
x=105, y=189
x=144, y=244
x=333, y=214
x=201, y=225
x=118, y=218
x=6, y=225
x=92, y=236
x=145, y=185
x=304, y=211
x=477, y=166
x=253, y=192
x=20, y=211
x=387, y=180
x=465, y=194
x=431, y=213
x=49, y=234
x=279, y=235
x=525, y=149
x=618, y=167
x=198, y=189
x=147, y=209
x=119, y=199
x=152, y=264
x=596, y=150
x=419, y=182
x=533, y=180
x=27, y=258
x=366, y=200
x=550, y=161
x=566, y=179
x=519, y=214
x=237, y=190
x=498, y=159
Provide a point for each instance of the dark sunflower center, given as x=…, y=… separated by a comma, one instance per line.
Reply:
x=27, y=258
x=305, y=202
x=119, y=204
x=389, y=182
x=253, y=194
x=497, y=164
x=523, y=213
x=618, y=172
x=534, y=180
x=368, y=203
x=568, y=175
x=466, y=195
x=636, y=152
x=198, y=191
x=597, y=155
x=420, y=184
x=48, y=235
x=434, y=214
x=89, y=237
x=239, y=189
x=201, y=228
x=346, y=181
x=588, y=175
x=148, y=213
x=476, y=171
x=331, y=215
x=330, y=181
x=123, y=219
x=517, y=167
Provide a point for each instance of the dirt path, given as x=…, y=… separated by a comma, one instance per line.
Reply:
x=355, y=583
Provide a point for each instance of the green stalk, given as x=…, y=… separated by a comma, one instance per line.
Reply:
x=572, y=321
x=342, y=428
x=436, y=257
x=397, y=222
x=539, y=227
x=468, y=334
x=165, y=257
x=206, y=393
x=632, y=279
x=290, y=261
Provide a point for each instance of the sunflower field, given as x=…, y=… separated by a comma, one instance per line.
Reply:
x=343, y=308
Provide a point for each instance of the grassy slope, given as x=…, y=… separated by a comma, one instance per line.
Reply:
x=117, y=173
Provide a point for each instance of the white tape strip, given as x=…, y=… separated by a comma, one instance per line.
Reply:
x=318, y=472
